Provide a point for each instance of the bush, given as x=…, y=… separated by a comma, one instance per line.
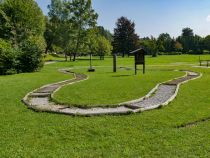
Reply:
x=30, y=58
x=7, y=58
x=26, y=58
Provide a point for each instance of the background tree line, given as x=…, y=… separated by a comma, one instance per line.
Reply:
x=126, y=40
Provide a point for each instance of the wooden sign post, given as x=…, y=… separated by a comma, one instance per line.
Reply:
x=139, y=55
x=91, y=69
x=115, y=63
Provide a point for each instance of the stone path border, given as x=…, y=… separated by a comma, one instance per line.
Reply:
x=161, y=95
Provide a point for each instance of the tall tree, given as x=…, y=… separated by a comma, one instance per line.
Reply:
x=125, y=38
x=198, y=45
x=207, y=42
x=22, y=24
x=187, y=32
x=97, y=43
x=58, y=27
x=186, y=39
x=21, y=20
x=91, y=40
x=104, y=47
x=83, y=18
x=105, y=33
x=150, y=44
x=164, y=42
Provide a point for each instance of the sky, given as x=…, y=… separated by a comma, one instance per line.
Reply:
x=153, y=17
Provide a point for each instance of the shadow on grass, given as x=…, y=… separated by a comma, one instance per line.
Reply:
x=122, y=75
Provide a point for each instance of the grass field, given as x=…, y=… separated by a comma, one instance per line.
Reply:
x=107, y=88
x=24, y=133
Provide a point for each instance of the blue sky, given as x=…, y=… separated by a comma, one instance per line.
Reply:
x=153, y=17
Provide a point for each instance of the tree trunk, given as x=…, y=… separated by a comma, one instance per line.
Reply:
x=48, y=47
x=74, y=56
x=78, y=43
x=46, y=50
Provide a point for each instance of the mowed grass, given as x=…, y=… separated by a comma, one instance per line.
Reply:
x=160, y=60
x=105, y=88
x=25, y=133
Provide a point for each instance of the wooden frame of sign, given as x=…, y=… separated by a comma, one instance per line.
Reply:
x=91, y=69
x=139, y=55
x=114, y=62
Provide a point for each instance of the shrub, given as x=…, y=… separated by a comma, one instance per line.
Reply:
x=30, y=57
x=26, y=58
x=7, y=58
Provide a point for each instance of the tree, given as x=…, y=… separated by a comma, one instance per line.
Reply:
x=97, y=44
x=164, y=42
x=150, y=44
x=186, y=39
x=83, y=17
x=191, y=43
x=198, y=45
x=153, y=47
x=104, y=47
x=49, y=35
x=207, y=42
x=58, y=25
x=67, y=25
x=29, y=58
x=21, y=33
x=91, y=40
x=105, y=33
x=125, y=38
x=187, y=32
x=21, y=20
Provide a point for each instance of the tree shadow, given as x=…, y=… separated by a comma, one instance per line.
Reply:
x=122, y=75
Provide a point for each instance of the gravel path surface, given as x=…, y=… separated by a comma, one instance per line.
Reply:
x=40, y=99
x=163, y=93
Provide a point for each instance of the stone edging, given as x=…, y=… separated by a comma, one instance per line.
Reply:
x=43, y=101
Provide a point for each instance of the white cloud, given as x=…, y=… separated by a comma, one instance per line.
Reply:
x=208, y=18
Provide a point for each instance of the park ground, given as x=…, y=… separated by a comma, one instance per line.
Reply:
x=25, y=133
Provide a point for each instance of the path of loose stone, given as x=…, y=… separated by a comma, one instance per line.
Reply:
x=162, y=94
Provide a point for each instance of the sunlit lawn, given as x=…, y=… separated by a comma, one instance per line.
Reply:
x=105, y=88
x=25, y=133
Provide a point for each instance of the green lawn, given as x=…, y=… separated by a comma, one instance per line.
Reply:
x=161, y=60
x=24, y=133
x=107, y=88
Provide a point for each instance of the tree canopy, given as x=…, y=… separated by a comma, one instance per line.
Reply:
x=22, y=25
x=20, y=20
x=125, y=39
x=67, y=24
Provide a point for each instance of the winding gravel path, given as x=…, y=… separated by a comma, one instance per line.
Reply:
x=162, y=94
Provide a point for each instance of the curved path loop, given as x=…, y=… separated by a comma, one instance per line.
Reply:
x=161, y=95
